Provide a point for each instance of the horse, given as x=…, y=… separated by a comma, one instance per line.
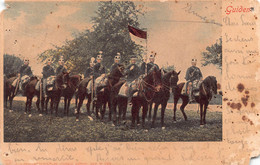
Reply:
x=9, y=90
x=102, y=92
x=61, y=81
x=68, y=92
x=207, y=89
x=30, y=92
x=147, y=88
x=169, y=81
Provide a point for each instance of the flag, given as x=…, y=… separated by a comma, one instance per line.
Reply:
x=137, y=32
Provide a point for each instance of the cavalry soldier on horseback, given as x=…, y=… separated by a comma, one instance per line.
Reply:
x=193, y=76
x=47, y=71
x=61, y=67
x=145, y=68
x=117, y=59
x=90, y=69
x=98, y=67
x=24, y=75
x=132, y=72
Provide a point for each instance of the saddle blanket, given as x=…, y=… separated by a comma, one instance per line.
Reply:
x=24, y=80
x=51, y=80
x=195, y=88
x=99, y=82
x=127, y=87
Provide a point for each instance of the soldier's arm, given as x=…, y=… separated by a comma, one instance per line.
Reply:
x=30, y=72
x=187, y=77
x=44, y=72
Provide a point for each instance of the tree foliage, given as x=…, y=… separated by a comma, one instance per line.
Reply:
x=12, y=64
x=213, y=55
x=109, y=34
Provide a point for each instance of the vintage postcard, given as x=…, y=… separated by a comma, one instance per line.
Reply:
x=130, y=82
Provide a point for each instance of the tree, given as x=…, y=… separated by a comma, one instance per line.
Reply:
x=12, y=64
x=213, y=55
x=109, y=34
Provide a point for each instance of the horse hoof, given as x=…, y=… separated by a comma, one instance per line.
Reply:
x=30, y=115
x=146, y=130
x=174, y=122
x=138, y=124
x=99, y=114
x=25, y=113
x=75, y=111
x=10, y=110
x=90, y=118
x=201, y=126
x=163, y=128
x=40, y=114
x=77, y=120
x=113, y=125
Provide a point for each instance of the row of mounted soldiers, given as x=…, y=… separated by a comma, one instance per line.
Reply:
x=96, y=68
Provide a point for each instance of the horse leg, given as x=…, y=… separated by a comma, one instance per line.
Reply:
x=88, y=104
x=38, y=104
x=57, y=105
x=113, y=108
x=104, y=109
x=99, y=102
x=65, y=105
x=134, y=113
x=68, y=106
x=154, y=114
x=26, y=104
x=150, y=111
x=46, y=105
x=162, y=113
x=201, y=114
x=109, y=110
x=81, y=99
x=30, y=106
x=205, y=111
x=185, y=101
x=174, y=108
x=145, y=109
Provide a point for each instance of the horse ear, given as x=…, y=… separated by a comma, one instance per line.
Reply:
x=178, y=72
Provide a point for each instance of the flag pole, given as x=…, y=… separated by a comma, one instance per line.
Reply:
x=146, y=49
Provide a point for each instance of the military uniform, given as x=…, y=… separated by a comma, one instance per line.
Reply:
x=47, y=71
x=148, y=66
x=193, y=75
x=98, y=70
x=89, y=72
x=117, y=59
x=60, y=69
x=25, y=70
x=113, y=67
x=133, y=73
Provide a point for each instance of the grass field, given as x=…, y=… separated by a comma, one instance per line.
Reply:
x=18, y=127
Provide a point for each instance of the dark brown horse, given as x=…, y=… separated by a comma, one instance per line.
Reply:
x=68, y=92
x=30, y=92
x=207, y=89
x=9, y=90
x=103, y=92
x=169, y=81
x=147, y=88
x=60, y=83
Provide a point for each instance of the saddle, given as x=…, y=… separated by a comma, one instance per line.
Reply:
x=99, y=82
x=129, y=88
x=50, y=83
x=194, y=87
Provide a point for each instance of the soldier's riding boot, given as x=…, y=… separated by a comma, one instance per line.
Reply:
x=191, y=96
x=130, y=95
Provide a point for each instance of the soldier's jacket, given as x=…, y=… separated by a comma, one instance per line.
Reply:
x=25, y=70
x=98, y=70
x=193, y=73
x=47, y=71
x=113, y=66
x=88, y=72
x=60, y=69
x=132, y=74
x=149, y=66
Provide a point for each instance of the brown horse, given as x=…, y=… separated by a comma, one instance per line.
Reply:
x=147, y=88
x=207, y=89
x=30, y=92
x=60, y=83
x=169, y=80
x=68, y=92
x=102, y=95
x=9, y=90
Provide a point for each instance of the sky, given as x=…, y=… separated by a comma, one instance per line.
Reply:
x=176, y=32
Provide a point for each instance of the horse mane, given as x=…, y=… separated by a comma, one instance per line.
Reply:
x=116, y=72
x=11, y=75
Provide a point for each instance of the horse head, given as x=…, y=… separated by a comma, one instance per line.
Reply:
x=62, y=80
x=174, y=80
x=154, y=78
x=121, y=69
x=213, y=84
